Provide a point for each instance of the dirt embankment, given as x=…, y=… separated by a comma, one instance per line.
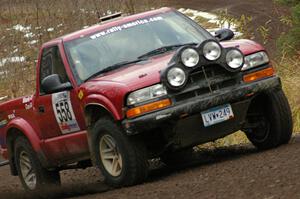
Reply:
x=264, y=13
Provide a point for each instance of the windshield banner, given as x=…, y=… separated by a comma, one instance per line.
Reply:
x=126, y=26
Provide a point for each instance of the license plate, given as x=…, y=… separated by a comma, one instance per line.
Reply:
x=217, y=115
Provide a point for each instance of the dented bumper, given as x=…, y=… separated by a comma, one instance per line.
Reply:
x=197, y=104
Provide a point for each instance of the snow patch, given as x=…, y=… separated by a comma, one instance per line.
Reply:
x=21, y=28
x=50, y=29
x=16, y=59
x=29, y=35
x=212, y=18
x=3, y=98
x=33, y=42
x=15, y=50
x=197, y=13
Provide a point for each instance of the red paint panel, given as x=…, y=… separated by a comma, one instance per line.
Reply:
x=63, y=148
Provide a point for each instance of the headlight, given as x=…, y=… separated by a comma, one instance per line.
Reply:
x=146, y=94
x=255, y=60
x=176, y=77
x=212, y=51
x=234, y=59
x=190, y=57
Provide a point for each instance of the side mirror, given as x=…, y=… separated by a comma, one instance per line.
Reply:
x=52, y=84
x=224, y=34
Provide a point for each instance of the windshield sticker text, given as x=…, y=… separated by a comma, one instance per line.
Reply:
x=125, y=26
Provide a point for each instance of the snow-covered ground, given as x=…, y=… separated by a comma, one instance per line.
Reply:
x=7, y=60
x=31, y=37
x=3, y=98
x=211, y=18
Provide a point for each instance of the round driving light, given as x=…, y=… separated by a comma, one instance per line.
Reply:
x=190, y=57
x=234, y=59
x=176, y=77
x=212, y=51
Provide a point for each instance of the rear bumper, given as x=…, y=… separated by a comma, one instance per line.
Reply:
x=195, y=105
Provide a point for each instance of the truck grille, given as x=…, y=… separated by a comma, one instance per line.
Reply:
x=206, y=80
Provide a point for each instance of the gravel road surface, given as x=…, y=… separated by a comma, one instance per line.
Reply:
x=231, y=172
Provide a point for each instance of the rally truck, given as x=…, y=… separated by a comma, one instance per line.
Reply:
x=135, y=88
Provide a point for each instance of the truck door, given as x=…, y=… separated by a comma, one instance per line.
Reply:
x=56, y=113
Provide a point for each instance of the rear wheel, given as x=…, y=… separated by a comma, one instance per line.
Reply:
x=31, y=173
x=269, y=120
x=121, y=159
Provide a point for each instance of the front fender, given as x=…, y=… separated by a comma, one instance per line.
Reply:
x=105, y=103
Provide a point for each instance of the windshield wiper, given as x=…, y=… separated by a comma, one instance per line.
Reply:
x=164, y=49
x=114, y=67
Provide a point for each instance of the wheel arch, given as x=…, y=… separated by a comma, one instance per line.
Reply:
x=259, y=101
x=19, y=127
x=94, y=111
x=106, y=104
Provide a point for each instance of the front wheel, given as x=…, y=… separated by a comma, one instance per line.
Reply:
x=269, y=120
x=31, y=173
x=121, y=159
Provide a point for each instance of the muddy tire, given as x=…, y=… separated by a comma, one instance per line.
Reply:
x=31, y=173
x=121, y=159
x=275, y=118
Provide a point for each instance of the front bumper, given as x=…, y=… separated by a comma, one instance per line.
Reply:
x=197, y=104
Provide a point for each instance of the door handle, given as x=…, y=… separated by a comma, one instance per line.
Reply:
x=41, y=109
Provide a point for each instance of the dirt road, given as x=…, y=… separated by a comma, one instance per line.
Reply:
x=233, y=172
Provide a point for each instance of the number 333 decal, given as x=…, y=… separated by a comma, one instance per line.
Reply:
x=63, y=111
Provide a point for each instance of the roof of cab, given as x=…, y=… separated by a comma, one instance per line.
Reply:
x=108, y=24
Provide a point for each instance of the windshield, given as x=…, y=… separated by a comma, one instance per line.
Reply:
x=126, y=43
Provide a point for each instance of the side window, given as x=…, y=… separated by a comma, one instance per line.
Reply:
x=52, y=63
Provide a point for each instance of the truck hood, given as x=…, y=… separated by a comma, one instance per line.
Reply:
x=147, y=73
x=139, y=75
x=245, y=45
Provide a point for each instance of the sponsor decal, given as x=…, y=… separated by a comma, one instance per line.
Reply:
x=28, y=106
x=68, y=127
x=126, y=26
x=80, y=95
x=28, y=102
x=3, y=123
x=27, y=99
x=64, y=113
x=12, y=116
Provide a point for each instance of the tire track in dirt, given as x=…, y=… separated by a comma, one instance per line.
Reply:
x=230, y=172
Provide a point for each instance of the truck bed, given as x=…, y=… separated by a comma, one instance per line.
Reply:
x=20, y=107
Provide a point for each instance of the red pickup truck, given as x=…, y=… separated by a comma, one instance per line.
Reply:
x=135, y=88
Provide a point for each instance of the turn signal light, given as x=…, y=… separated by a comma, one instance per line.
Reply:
x=268, y=72
x=134, y=112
